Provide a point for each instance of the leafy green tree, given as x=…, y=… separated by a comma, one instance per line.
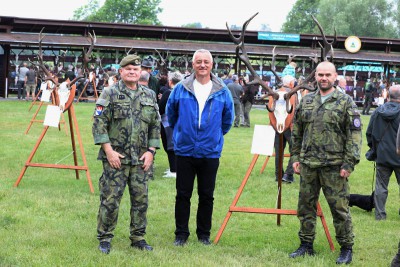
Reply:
x=86, y=10
x=193, y=25
x=122, y=11
x=371, y=18
x=299, y=18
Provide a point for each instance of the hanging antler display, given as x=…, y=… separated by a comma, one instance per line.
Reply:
x=245, y=59
x=326, y=47
x=279, y=112
x=63, y=93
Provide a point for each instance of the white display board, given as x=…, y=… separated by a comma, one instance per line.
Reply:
x=263, y=140
x=52, y=117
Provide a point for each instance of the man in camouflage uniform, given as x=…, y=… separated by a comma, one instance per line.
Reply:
x=127, y=126
x=326, y=145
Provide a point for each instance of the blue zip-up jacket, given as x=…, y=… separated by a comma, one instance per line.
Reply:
x=206, y=140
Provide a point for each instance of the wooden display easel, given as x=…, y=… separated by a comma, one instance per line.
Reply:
x=96, y=96
x=62, y=121
x=34, y=102
x=72, y=123
x=278, y=210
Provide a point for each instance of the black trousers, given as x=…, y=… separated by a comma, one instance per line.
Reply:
x=286, y=140
x=206, y=171
x=170, y=152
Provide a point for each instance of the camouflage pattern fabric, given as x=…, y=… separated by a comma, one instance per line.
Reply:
x=336, y=190
x=111, y=186
x=129, y=120
x=327, y=134
x=325, y=139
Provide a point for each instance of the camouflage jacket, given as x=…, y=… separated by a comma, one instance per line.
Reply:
x=127, y=119
x=327, y=134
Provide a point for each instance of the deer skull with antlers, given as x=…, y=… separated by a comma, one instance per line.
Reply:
x=281, y=103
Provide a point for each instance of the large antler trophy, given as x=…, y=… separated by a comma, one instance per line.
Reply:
x=281, y=104
x=63, y=95
x=89, y=74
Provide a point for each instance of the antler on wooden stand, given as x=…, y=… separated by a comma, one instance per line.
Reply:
x=242, y=55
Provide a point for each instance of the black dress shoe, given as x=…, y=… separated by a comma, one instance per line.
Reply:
x=105, y=247
x=346, y=255
x=142, y=245
x=304, y=249
x=180, y=241
x=205, y=241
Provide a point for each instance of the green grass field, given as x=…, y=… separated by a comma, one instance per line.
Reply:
x=50, y=218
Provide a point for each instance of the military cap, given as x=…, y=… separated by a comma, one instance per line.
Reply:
x=130, y=60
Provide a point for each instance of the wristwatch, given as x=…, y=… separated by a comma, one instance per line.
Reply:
x=151, y=151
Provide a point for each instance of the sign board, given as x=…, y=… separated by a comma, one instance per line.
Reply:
x=278, y=36
x=352, y=44
x=263, y=140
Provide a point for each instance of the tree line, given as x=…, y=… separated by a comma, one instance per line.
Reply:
x=364, y=18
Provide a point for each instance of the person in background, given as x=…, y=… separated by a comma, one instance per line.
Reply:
x=30, y=82
x=342, y=83
x=127, y=126
x=167, y=131
x=381, y=137
x=147, y=65
x=228, y=78
x=236, y=90
x=249, y=92
x=21, y=80
x=326, y=146
x=200, y=110
x=70, y=73
x=368, y=97
x=144, y=78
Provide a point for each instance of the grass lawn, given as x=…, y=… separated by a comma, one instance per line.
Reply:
x=50, y=218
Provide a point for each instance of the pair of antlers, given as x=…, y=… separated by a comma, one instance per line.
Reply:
x=241, y=53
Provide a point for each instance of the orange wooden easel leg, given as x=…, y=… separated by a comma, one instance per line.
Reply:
x=31, y=156
x=236, y=199
x=34, y=101
x=73, y=121
x=33, y=118
x=325, y=225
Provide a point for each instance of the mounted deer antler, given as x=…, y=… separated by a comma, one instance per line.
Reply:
x=326, y=47
x=245, y=59
x=40, y=64
x=87, y=54
x=127, y=52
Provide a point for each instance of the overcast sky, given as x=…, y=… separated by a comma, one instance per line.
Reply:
x=210, y=13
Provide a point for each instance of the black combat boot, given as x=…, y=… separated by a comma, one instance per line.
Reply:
x=346, y=255
x=396, y=259
x=105, y=247
x=304, y=249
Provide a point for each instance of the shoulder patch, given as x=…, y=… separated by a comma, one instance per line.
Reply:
x=99, y=110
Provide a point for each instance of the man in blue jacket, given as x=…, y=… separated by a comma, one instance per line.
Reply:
x=200, y=110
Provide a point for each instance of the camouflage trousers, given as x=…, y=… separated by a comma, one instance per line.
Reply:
x=112, y=184
x=336, y=190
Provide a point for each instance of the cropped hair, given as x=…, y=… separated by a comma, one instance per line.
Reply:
x=204, y=51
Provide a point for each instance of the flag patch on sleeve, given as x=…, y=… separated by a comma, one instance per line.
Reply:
x=99, y=110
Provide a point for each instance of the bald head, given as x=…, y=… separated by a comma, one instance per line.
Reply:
x=326, y=65
x=394, y=93
x=325, y=75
